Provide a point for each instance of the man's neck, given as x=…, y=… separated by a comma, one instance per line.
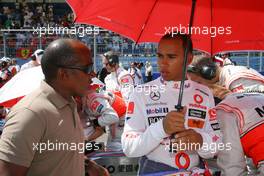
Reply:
x=56, y=86
x=115, y=69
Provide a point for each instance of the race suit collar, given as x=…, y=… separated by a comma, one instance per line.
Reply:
x=175, y=84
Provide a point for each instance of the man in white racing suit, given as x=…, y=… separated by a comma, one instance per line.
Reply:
x=232, y=77
x=119, y=79
x=151, y=118
x=241, y=78
x=104, y=109
x=241, y=121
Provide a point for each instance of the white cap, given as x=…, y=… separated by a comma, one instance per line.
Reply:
x=38, y=54
x=6, y=59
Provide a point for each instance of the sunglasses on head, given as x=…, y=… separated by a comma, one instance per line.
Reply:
x=86, y=69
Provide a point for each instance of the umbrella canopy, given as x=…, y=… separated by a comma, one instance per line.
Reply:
x=219, y=25
x=21, y=84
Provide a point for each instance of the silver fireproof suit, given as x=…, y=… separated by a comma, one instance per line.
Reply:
x=241, y=118
x=144, y=134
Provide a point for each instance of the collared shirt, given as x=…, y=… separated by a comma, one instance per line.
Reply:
x=43, y=132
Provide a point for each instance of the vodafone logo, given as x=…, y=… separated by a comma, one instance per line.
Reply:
x=198, y=98
x=212, y=114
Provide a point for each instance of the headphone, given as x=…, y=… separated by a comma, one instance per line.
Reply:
x=112, y=58
x=207, y=71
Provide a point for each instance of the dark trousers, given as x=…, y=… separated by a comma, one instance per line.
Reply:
x=148, y=167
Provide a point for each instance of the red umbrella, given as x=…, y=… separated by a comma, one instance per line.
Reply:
x=219, y=25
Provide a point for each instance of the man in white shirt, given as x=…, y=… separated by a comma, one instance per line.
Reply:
x=119, y=79
x=148, y=71
x=135, y=73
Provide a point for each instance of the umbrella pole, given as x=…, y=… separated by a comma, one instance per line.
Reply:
x=179, y=107
x=186, y=51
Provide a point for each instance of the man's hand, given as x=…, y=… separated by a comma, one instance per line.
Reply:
x=95, y=169
x=188, y=136
x=174, y=122
x=10, y=169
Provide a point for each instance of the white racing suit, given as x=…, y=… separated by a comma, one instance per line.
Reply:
x=241, y=78
x=144, y=134
x=241, y=118
x=99, y=106
x=120, y=80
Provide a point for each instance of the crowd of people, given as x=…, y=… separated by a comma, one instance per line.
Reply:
x=33, y=15
x=27, y=15
x=221, y=114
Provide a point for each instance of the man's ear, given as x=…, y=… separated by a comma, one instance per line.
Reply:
x=189, y=58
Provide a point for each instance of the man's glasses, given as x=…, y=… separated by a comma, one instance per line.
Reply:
x=86, y=69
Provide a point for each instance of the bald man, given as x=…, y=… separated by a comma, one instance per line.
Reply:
x=43, y=135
